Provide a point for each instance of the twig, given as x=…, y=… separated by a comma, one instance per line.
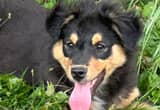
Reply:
x=3, y=22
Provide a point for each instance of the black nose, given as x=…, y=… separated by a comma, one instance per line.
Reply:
x=78, y=73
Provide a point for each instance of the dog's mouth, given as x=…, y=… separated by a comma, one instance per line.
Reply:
x=81, y=95
x=97, y=81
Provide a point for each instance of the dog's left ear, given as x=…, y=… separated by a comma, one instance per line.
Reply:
x=126, y=24
x=128, y=28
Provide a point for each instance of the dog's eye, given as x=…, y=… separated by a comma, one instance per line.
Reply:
x=69, y=44
x=100, y=46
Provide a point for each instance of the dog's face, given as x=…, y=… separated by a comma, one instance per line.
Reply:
x=92, y=40
x=88, y=50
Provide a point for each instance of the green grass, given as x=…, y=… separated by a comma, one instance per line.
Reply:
x=15, y=94
x=149, y=56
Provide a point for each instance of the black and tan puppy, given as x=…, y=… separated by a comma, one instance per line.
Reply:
x=94, y=42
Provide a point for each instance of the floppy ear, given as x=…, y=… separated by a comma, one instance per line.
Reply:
x=55, y=22
x=128, y=28
x=125, y=24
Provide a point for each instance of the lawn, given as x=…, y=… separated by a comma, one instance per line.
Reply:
x=15, y=94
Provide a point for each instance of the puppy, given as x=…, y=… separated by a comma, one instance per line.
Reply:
x=94, y=43
x=25, y=43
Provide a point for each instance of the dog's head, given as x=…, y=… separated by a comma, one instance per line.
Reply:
x=91, y=39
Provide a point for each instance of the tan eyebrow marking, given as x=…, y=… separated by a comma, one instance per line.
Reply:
x=74, y=38
x=97, y=37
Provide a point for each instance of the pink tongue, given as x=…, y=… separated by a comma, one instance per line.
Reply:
x=80, y=98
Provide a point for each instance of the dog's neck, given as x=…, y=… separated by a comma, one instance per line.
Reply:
x=99, y=99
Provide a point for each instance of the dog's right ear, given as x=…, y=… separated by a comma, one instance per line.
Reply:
x=55, y=22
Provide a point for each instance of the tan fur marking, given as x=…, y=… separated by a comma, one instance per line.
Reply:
x=74, y=38
x=65, y=62
x=115, y=60
x=127, y=101
x=95, y=68
x=97, y=37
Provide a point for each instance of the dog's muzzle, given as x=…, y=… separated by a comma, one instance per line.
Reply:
x=78, y=72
